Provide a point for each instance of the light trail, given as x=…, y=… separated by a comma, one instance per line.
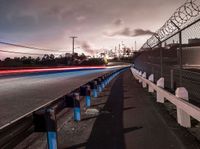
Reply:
x=19, y=71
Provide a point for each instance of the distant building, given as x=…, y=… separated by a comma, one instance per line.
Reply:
x=194, y=41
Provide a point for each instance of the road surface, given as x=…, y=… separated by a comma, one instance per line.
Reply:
x=22, y=94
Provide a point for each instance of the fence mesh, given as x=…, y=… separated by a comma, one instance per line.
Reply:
x=173, y=51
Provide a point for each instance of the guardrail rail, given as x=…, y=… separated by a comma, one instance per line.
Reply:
x=180, y=99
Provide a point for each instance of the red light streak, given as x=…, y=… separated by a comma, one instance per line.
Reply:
x=32, y=70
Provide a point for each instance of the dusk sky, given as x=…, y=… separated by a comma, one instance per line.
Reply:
x=97, y=23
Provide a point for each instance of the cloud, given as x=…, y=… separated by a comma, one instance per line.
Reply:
x=81, y=18
x=87, y=47
x=129, y=32
x=141, y=32
x=118, y=22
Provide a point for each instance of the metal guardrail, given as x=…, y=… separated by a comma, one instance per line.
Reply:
x=16, y=131
x=187, y=109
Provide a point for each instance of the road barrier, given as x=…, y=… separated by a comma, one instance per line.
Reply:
x=86, y=91
x=43, y=119
x=180, y=99
x=93, y=85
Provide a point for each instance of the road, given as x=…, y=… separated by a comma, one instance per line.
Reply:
x=22, y=94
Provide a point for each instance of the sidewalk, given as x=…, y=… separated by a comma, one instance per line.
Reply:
x=133, y=121
x=129, y=118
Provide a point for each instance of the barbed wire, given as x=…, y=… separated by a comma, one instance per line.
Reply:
x=183, y=16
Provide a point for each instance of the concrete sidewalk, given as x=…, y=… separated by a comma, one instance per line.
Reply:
x=135, y=121
x=129, y=118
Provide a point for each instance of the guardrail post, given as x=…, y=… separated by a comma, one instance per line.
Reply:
x=96, y=90
x=45, y=121
x=182, y=117
x=88, y=96
x=160, y=97
x=85, y=91
x=103, y=82
x=77, y=109
x=99, y=85
x=50, y=119
x=93, y=86
x=151, y=78
x=144, y=75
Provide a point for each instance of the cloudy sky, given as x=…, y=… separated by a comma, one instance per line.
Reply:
x=97, y=23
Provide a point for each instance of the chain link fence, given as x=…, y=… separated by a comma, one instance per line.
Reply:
x=173, y=51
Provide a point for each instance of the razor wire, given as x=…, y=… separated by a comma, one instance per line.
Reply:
x=186, y=14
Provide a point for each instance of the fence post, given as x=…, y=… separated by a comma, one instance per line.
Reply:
x=182, y=117
x=161, y=62
x=151, y=78
x=160, y=97
x=144, y=75
x=180, y=52
x=140, y=73
x=180, y=57
x=172, y=79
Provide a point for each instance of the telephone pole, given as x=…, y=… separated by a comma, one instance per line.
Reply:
x=73, y=41
x=135, y=45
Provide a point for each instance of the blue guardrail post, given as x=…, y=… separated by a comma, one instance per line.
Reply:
x=77, y=110
x=51, y=128
x=86, y=92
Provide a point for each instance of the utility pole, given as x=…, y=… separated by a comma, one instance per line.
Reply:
x=135, y=45
x=73, y=41
x=119, y=51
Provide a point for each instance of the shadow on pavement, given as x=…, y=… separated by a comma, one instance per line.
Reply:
x=108, y=131
x=88, y=118
x=77, y=146
x=128, y=108
x=98, y=104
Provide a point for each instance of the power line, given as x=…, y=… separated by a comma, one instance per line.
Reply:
x=29, y=47
x=15, y=52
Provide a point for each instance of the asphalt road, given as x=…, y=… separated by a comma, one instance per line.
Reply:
x=22, y=94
